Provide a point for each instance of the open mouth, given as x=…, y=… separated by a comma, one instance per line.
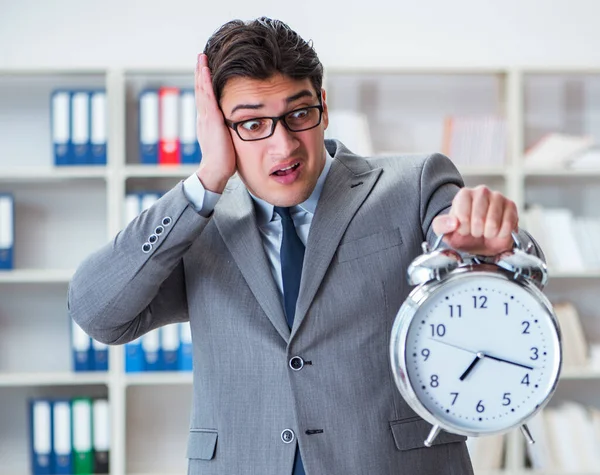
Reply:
x=286, y=171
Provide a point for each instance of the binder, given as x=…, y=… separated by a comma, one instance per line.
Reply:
x=134, y=356
x=185, y=348
x=83, y=457
x=60, y=125
x=151, y=350
x=98, y=134
x=169, y=152
x=132, y=207
x=7, y=231
x=82, y=348
x=61, y=415
x=41, y=437
x=80, y=127
x=148, y=199
x=149, y=131
x=99, y=359
x=169, y=347
x=190, y=149
x=101, y=435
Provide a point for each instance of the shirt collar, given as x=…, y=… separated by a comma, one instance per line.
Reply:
x=264, y=210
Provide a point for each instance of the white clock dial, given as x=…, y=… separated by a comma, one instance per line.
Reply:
x=482, y=354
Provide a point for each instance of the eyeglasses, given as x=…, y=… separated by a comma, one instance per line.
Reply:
x=259, y=128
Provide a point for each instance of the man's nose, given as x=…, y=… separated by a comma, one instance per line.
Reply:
x=283, y=142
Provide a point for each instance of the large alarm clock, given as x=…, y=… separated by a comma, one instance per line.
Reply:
x=475, y=348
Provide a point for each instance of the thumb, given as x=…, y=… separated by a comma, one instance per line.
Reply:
x=444, y=224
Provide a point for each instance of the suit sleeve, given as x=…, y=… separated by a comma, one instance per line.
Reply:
x=130, y=286
x=440, y=181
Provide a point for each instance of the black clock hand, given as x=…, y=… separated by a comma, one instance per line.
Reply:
x=509, y=362
x=477, y=359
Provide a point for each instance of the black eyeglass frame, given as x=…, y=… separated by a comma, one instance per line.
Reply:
x=275, y=120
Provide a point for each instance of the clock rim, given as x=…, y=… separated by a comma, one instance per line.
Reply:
x=398, y=345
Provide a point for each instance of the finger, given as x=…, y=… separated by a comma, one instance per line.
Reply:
x=461, y=208
x=510, y=219
x=444, y=224
x=493, y=219
x=479, y=208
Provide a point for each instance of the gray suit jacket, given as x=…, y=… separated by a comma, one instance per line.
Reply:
x=343, y=407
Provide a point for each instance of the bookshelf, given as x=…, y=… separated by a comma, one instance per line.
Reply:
x=55, y=230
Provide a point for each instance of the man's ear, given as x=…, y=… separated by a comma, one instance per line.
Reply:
x=325, y=118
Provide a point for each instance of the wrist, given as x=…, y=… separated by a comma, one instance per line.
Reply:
x=211, y=181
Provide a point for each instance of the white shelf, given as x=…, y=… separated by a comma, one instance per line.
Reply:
x=36, y=174
x=90, y=208
x=53, y=379
x=36, y=276
x=159, y=378
x=580, y=373
x=158, y=171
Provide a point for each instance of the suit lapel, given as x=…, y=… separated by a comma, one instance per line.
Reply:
x=346, y=187
x=236, y=221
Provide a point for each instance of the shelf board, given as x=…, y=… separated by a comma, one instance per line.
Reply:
x=157, y=171
x=562, y=173
x=587, y=274
x=488, y=171
x=159, y=378
x=579, y=373
x=36, y=174
x=36, y=276
x=53, y=379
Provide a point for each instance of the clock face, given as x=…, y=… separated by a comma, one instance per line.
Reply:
x=482, y=353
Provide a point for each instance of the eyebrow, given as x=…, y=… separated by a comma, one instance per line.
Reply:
x=295, y=97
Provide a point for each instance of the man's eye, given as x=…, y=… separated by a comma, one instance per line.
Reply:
x=252, y=125
x=299, y=114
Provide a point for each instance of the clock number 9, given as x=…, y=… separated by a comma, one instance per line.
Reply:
x=480, y=408
x=440, y=330
x=425, y=352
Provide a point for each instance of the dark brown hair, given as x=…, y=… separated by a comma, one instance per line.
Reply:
x=258, y=49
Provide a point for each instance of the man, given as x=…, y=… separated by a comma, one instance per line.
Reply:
x=290, y=273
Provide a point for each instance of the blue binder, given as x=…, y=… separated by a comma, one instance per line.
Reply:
x=151, y=350
x=80, y=128
x=185, y=349
x=61, y=437
x=81, y=345
x=148, y=126
x=134, y=356
x=170, y=342
x=60, y=124
x=99, y=360
x=98, y=127
x=7, y=231
x=190, y=149
x=42, y=453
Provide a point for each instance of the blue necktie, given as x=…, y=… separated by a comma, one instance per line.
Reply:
x=291, y=255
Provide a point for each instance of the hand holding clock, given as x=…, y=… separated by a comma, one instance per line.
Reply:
x=480, y=222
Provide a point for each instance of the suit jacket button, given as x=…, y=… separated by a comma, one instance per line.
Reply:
x=296, y=363
x=166, y=221
x=153, y=238
x=146, y=248
x=159, y=230
x=288, y=436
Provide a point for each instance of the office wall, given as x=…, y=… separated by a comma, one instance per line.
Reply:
x=78, y=33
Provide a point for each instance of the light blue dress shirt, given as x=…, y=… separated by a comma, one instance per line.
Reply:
x=269, y=222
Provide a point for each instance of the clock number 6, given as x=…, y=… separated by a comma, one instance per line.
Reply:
x=480, y=408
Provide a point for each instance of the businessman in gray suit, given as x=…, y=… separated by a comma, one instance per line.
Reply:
x=290, y=271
